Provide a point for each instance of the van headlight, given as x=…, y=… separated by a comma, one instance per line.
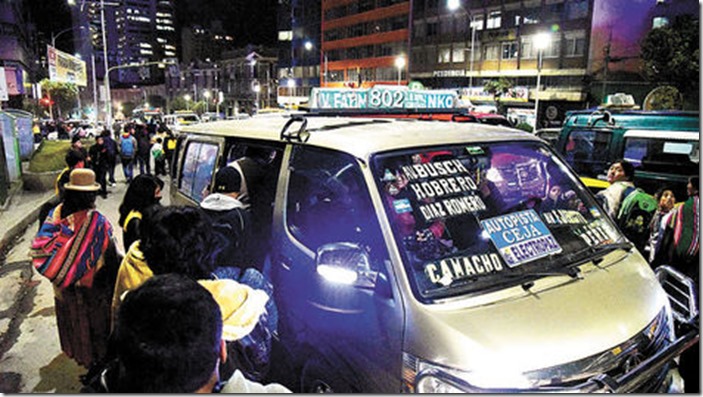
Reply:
x=436, y=378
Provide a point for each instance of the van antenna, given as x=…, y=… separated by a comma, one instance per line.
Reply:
x=301, y=135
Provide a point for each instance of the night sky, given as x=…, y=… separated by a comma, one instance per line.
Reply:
x=247, y=21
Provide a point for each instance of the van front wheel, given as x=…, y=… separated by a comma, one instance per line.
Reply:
x=318, y=377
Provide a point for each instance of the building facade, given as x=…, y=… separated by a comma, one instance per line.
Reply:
x=17, y=53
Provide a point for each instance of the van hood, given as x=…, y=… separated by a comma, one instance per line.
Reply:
x=559, y=320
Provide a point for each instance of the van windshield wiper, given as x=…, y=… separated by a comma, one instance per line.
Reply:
x=568, y=265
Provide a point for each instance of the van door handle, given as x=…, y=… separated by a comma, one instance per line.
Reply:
x=286, y=262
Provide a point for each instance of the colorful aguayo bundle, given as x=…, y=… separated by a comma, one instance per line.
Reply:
x=66, y=257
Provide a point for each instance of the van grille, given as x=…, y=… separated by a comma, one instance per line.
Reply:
x=614, y=362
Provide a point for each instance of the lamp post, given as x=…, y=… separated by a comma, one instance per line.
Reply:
x=291, y=89
x=187, y=99
x=206, y=95
x=540, y=41
x=308, y=47
x=108, y=120
x=454, y=5
x=400, y=64
x=257, y=90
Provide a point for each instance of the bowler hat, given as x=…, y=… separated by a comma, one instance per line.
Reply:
x=82, y=180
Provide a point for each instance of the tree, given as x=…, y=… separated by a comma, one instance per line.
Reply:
x=671, y=53
x=498, y=88
x=64, y=95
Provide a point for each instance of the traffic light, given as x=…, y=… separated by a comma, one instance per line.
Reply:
x=46, y=101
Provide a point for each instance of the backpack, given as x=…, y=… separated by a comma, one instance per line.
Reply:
x=127, y=147
x=636, y=211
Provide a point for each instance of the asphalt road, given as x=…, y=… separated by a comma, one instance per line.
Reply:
x=31, y=360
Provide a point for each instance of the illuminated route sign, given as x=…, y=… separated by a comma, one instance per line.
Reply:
x=382, y=97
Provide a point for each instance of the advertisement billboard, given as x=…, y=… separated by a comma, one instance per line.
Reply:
x=66, y=68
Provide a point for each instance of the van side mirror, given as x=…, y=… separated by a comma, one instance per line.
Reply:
x=345, y=263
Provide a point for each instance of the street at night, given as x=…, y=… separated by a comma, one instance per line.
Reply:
x=378, y=196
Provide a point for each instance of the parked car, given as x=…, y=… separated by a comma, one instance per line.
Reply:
x=409, y=256
x=664, y=147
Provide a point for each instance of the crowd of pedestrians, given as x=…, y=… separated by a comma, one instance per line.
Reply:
x=106, y=296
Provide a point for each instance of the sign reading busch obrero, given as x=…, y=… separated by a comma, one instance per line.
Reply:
x=381, y=97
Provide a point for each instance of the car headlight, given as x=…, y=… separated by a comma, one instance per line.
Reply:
x=435, y=378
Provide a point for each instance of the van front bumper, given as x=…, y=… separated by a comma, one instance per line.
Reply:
x=630, y=381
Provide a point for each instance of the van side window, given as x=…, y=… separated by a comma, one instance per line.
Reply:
x=587, y=152
x=328, y=201
x=198, y=169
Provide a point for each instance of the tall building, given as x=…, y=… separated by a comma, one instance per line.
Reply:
x=200, y=43
x=341, y=42
x=136, y=31
x=362, y=40
x=590, y=49
x=17, y=52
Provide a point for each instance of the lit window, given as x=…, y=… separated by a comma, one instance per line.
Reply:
x=493, y=21
x=509, y=50
x=444, y=55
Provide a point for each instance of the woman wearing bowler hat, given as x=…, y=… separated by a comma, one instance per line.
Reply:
x=75, y=249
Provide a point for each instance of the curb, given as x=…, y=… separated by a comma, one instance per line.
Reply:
x=13, y=231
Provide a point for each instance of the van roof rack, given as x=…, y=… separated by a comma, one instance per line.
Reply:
x=302, y=134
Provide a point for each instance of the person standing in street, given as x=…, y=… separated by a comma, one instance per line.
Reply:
x=157, y=152
x=75, y=250
x=142, y=193
x=111, y=146
x=128, y=152
x=98, y=152
x=620, y=175
x=169, y=337
x=143, y=150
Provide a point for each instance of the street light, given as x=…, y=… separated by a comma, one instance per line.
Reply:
x=257, y=89
x=308, y=47
x=291, y=89
x=108, y=120
x=187, y=99
x=454, y=5
x=206, y=95
x=400, y=64
x=540, y=41
x=56, y=36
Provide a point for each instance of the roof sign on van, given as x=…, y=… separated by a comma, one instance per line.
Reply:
x=520, y=237
x=382, y=97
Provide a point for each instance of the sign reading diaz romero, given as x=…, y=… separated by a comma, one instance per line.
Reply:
x=520, y=237
x=381, y=97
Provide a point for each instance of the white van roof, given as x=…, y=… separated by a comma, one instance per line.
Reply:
x=361, y=137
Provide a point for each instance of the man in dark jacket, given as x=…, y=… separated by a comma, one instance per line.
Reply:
x=99, y=163
x=143, y=151
x=229, y=217
x=111, y=147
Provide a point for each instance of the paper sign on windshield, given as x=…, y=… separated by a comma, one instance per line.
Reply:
x=520, y=237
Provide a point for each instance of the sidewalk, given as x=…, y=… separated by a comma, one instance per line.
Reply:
x=20, y=210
